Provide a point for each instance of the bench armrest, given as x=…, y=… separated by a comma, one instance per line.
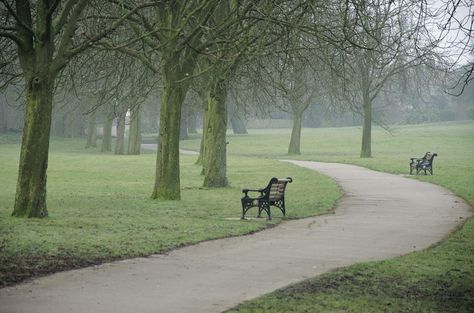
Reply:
x=253, y=190
x=417, y=160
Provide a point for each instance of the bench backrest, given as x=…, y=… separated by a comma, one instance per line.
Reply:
x=276, y=188
x=428, y=158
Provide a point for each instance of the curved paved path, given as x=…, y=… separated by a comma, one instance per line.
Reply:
x=381, y=216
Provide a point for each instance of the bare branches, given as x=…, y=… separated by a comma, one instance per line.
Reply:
x=64, y=53
x=60, y=20
x=23, y=18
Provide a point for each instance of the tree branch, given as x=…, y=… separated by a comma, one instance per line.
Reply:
x=64, y=56
x=13, y=37
x=23, y=8
x=60, y=20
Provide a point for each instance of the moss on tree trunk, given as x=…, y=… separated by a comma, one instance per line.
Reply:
x=215, y=154
x=167, y=183
x=30, y=199
x=167, y=180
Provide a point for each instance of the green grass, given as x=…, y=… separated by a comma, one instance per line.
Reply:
x=440, y=279
x=100, y=208
x=454, y=143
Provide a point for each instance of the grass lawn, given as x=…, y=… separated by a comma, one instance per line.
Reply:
x=440, y=279
x=100, y=208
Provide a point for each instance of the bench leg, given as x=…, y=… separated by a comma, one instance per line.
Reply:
x=245, y=208
x=264, y=207
x=267, y=209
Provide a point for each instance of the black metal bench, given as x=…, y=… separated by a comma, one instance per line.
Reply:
x=273, y=194
x=422, y=164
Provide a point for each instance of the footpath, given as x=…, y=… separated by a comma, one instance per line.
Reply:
x=380, y=216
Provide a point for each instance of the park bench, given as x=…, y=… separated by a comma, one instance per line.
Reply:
x=273, y=194
x=422, y=164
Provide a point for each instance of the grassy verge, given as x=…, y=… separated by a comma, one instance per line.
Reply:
x=100, y=208
x=440, y=279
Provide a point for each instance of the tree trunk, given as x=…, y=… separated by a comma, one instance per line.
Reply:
x=73, y=125
x=366, y=149
x=120, y=140
x=107, y=133
x=192, y=122
x=203, y=97
x=134, y=134
x=167, y=178
x=183, y=129
x=177, y=63
x=167, y=183
x=294, y=147
x=92, y=131
x=200, y=158
x=58, y=126
x=30, y=199
x=215, y=163
x=238, y=125
x=3, y=117
x=236, y=120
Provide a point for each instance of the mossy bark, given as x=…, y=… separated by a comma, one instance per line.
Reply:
x=30, y=199
x=92, y=131
x=215, y=154
x=35, y=58
x=107, y=133
x=134, y=134
x=120, y=140
x=167, y=178
x=295, y=140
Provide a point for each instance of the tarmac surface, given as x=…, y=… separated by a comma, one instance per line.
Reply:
x=380, y=216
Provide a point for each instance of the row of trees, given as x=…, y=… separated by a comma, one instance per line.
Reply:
x=288, y=53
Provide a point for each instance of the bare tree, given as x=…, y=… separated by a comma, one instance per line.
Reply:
x=386, y=38
x=47, y=36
